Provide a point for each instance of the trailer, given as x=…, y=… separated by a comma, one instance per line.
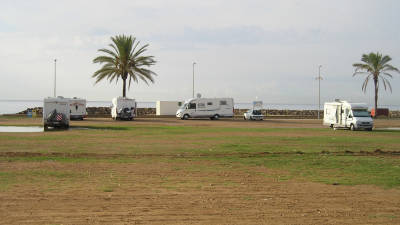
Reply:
x=56, y=112
x=213, y=108
x=123, y=108
x=167, y=108
x=343, y=114
x=254, y=113
x=77, y=107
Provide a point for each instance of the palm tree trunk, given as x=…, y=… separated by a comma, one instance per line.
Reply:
x=124, y=88
x=376, y=96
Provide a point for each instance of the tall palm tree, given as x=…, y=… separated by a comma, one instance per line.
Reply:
x=376, y=68
x=125, y=60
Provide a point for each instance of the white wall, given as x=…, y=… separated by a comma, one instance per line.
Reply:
x=167, y=108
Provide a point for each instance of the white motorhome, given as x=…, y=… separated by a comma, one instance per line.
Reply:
x=77, y=108
x=212, y=108
x=123, y=108
x=56, y=112
x=342, y=114
x=255, y=113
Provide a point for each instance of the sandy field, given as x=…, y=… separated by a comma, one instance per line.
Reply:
x=163, y=190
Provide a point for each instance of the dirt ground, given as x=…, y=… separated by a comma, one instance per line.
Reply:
x=158, y=191
x=237, y=122
x=165, y=193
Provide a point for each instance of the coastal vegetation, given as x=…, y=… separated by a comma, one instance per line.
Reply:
x=377, y=68
x=125, y=60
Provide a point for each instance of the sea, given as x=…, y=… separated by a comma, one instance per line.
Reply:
x=15, y=106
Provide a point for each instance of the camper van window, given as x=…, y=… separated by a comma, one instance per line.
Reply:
x=184, y=106
x=192, y=105
x=256, y=112
x=209, y=103
x=222, y=103
x=360, y=113
x=201, y=105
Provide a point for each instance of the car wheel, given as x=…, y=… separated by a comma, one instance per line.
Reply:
x=369, y=129
x=352, y=128
x=186, y=116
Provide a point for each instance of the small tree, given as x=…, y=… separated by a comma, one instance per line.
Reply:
x=376, y=67
x=125, y=60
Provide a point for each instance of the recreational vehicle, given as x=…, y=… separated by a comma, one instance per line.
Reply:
x=77, y=108
x=212, y=108
x=254, y=113
x=56, y=112
x=342, y=114
x=123, y=108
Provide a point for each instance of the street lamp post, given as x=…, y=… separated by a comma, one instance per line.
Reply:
x=319, y=78
x=194, y=63
x=55, y=77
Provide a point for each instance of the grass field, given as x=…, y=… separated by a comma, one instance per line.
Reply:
x=167, y=157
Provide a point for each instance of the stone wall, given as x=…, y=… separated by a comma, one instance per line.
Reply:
x=142, y=112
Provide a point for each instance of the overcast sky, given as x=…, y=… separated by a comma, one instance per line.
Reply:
x=243, y=49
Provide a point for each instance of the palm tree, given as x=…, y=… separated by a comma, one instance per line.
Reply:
x=376, y=67
x=125, y=60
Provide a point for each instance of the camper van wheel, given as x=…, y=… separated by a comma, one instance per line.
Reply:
x=186, y=116
x=331, y=126
x=352, y=127
x=216, y=117
x=46, y=128
x=244, y=117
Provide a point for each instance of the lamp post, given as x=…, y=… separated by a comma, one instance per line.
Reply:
x=194, y=63
x=319, y=78
x=55, y=77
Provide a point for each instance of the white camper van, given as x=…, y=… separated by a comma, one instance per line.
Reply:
x=255, y=113
x=342, y=114
x=77, y=108
x=212, y=108
x=56, y=112
x=123, y=108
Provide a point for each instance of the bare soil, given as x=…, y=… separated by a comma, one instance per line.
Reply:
x=180, y=193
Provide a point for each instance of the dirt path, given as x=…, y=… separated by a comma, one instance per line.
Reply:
x=271, y=123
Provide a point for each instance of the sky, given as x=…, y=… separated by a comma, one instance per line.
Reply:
x=248, y=50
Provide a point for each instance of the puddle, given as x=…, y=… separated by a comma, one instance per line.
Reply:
x=20, y=129
x=14, y=129
x=389, y=128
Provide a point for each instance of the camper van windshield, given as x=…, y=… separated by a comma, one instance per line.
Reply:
x=183, y=106
x=360, y=113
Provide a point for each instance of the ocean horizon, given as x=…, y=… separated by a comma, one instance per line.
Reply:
x=16, y=106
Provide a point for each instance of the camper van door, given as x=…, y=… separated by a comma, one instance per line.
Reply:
x=345, y=112
x=201, y=110
x=191, y=108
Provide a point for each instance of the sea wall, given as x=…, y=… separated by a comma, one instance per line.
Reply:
x=148, y=112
